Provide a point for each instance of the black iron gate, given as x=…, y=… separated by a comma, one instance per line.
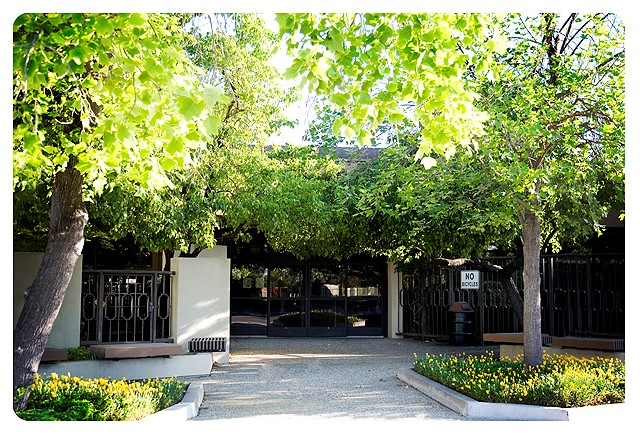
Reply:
x=125, y=306
x=580, y=296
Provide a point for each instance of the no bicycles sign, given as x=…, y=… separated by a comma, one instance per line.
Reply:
x=470, y=279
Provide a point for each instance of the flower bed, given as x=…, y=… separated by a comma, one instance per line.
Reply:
x=561, y=381
x=66, y=398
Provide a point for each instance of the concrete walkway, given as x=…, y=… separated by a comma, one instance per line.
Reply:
x=335, y=382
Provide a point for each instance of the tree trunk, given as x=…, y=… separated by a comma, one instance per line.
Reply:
x=43, y=299
x=515, y=299
x=532, y=329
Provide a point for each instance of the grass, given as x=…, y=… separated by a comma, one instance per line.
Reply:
x=66, y=398
x=561, y=381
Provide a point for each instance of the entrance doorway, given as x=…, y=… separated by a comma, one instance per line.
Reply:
x=313, y=298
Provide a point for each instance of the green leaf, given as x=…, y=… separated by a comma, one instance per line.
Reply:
x=336, y=126
x=340, y=99
x=152, y=67
x=189, y=108
x=176, y=145
x=211, y=125
x=122, y=132
x=213, y=95
x=103, y=26
x=61, y=69
x=137, y=19
x=348, y=131
x=112, y=161
x=396, y=117
x=320, y=67
x=84, y=166
x=168, y=163
x=79, y=55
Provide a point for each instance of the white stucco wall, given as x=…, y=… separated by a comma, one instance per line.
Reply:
x=394, y=315
x=66, y=328
x=201, y=298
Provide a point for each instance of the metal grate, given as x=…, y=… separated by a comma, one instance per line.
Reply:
x=581, y=296
x=199, y=345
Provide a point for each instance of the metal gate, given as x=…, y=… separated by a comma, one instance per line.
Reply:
x=125, y=306
x=580, y=296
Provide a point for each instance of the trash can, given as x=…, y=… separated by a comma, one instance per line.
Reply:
x=461, y=324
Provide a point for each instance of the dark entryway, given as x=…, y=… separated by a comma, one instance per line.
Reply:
x=283, y=296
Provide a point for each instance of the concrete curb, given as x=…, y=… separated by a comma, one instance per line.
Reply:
x=185, y=365
x=466, y=406
x=185, y=409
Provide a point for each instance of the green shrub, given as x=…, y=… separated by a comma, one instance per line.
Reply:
x=561, y=381
x=79, y=353
x=66, y=398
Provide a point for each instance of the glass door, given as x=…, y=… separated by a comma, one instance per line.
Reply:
x=287, y=301
x=286, y=297
x=327, y=301
x=365, y=304
x=249, y=299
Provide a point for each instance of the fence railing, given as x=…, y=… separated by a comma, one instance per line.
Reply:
x=125, y=306
x=580, y=296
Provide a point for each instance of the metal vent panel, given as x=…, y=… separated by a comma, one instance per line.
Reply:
x=206, y=345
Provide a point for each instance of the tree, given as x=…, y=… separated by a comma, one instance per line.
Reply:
x=234, y=52
x=290, y=195
x=395, y=67
x=448, y=215
x=553, y=112
x=98, y=100
x=556, y=132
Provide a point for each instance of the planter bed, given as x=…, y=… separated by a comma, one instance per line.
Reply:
x=466, y=406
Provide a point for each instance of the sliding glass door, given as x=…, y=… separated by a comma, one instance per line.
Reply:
x=328, y=301
x=307, y=299
x=287, y=301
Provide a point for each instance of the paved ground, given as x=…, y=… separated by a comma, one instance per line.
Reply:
x=335, y=382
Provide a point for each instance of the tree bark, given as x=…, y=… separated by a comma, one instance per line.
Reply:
x=532, y=329
x=43, y=299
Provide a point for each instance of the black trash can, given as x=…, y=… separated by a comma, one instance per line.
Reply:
x=461, y=324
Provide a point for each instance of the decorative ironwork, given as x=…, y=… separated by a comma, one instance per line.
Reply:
x=580, y=296
x=125, y=306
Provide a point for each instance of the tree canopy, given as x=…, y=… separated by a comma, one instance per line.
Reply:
x=231, y=53
x=116, y=91
x=377, y=67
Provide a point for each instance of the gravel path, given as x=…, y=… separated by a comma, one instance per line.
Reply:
x=335, y=382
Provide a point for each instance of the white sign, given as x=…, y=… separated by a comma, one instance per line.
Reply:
x=469, y=279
